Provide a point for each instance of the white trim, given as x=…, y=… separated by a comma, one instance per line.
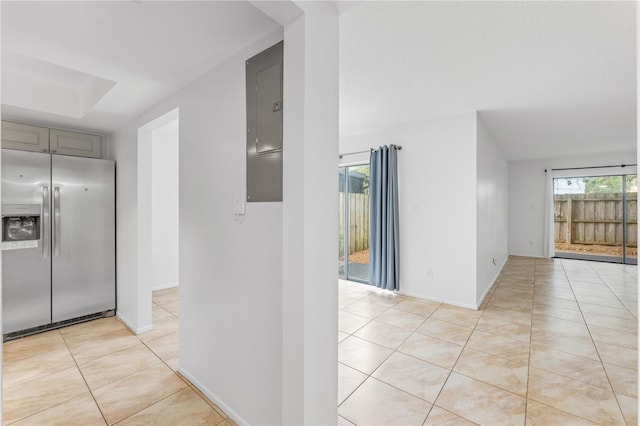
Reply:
x=130, y=326
x=165, y=286
x=143, y=301
x=527, y=255
x=440, y=300
x=609, y=171
x=548, y=246
x=224, y=407
x=491, y=284
x=352, y=163
x=455, y=303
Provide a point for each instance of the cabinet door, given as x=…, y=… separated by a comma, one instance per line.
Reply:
x=25, y=137
x=76, y=144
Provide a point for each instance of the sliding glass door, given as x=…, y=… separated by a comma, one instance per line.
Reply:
x=596, y=218
x=353, y=231
x=341, y=223
x=631, y=219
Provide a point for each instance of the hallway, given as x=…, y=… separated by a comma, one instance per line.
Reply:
x=554, y=343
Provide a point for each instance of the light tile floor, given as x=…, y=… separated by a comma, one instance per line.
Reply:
x=555, y=343
x=99, y=373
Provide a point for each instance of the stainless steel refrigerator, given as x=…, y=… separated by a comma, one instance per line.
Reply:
x=58, y=239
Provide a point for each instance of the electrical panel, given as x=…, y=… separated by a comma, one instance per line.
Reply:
x=264, y=76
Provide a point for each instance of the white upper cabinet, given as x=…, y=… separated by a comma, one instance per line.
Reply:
x=25, y=137
x=74, y=143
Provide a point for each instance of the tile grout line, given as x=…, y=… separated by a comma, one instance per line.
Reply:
x=95, y=401
x=533, y=296
x=593, y=341
x=611, y=290
x=596, y=346
x=396, y=350
x=497, y=283
x=106, y=384
x=353, y=335
x=537, y=270
x=65, y=347
x=77, y=367
x=370, y=375
x=47, y=375
x=535, y=281
x=164, y=309
x=526, y=397
x=157, y=402
x=190, y=385
x=450, y=369
x=562, y=375
x=158, y=356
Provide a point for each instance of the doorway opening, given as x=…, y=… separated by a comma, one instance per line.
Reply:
x=353, y=223
x=158, y=228
x=596, y=218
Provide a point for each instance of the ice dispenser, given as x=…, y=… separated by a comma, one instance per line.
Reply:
x=20, y=226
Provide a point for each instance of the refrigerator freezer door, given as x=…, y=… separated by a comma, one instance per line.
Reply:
x=83, y=221
x=26, y=268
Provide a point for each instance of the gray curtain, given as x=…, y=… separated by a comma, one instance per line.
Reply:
x=384, y=247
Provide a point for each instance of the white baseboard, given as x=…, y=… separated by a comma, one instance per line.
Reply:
x=456, y=303
x=493, y=281
x=224, y=407
x=528, y=255
x=164, y=286
x=440, y=300
x=131, y=327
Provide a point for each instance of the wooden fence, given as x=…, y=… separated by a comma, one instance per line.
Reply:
x=358, y=222
x=595, y=219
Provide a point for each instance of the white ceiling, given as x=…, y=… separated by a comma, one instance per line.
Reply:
x=149, y=49
x=550, y=79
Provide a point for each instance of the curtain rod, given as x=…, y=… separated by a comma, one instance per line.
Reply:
x=592, y=167
x=398, y=147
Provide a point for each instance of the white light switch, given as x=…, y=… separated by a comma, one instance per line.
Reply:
x=239, y=206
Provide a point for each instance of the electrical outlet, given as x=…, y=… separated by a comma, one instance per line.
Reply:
x=430, y=274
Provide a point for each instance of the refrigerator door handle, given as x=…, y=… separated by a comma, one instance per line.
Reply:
x=45, y=222
x=56, y=221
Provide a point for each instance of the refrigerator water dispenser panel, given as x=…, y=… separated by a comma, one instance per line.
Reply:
x=20, y=226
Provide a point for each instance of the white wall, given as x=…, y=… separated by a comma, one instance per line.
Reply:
x=131, y=147
x=527, y=181
x=492, y=214
x=164, y=206
x=310, y=220
x=123, y=148
x=261, y=344
x=437, y=203
x=230, y=272
x=143, y=321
